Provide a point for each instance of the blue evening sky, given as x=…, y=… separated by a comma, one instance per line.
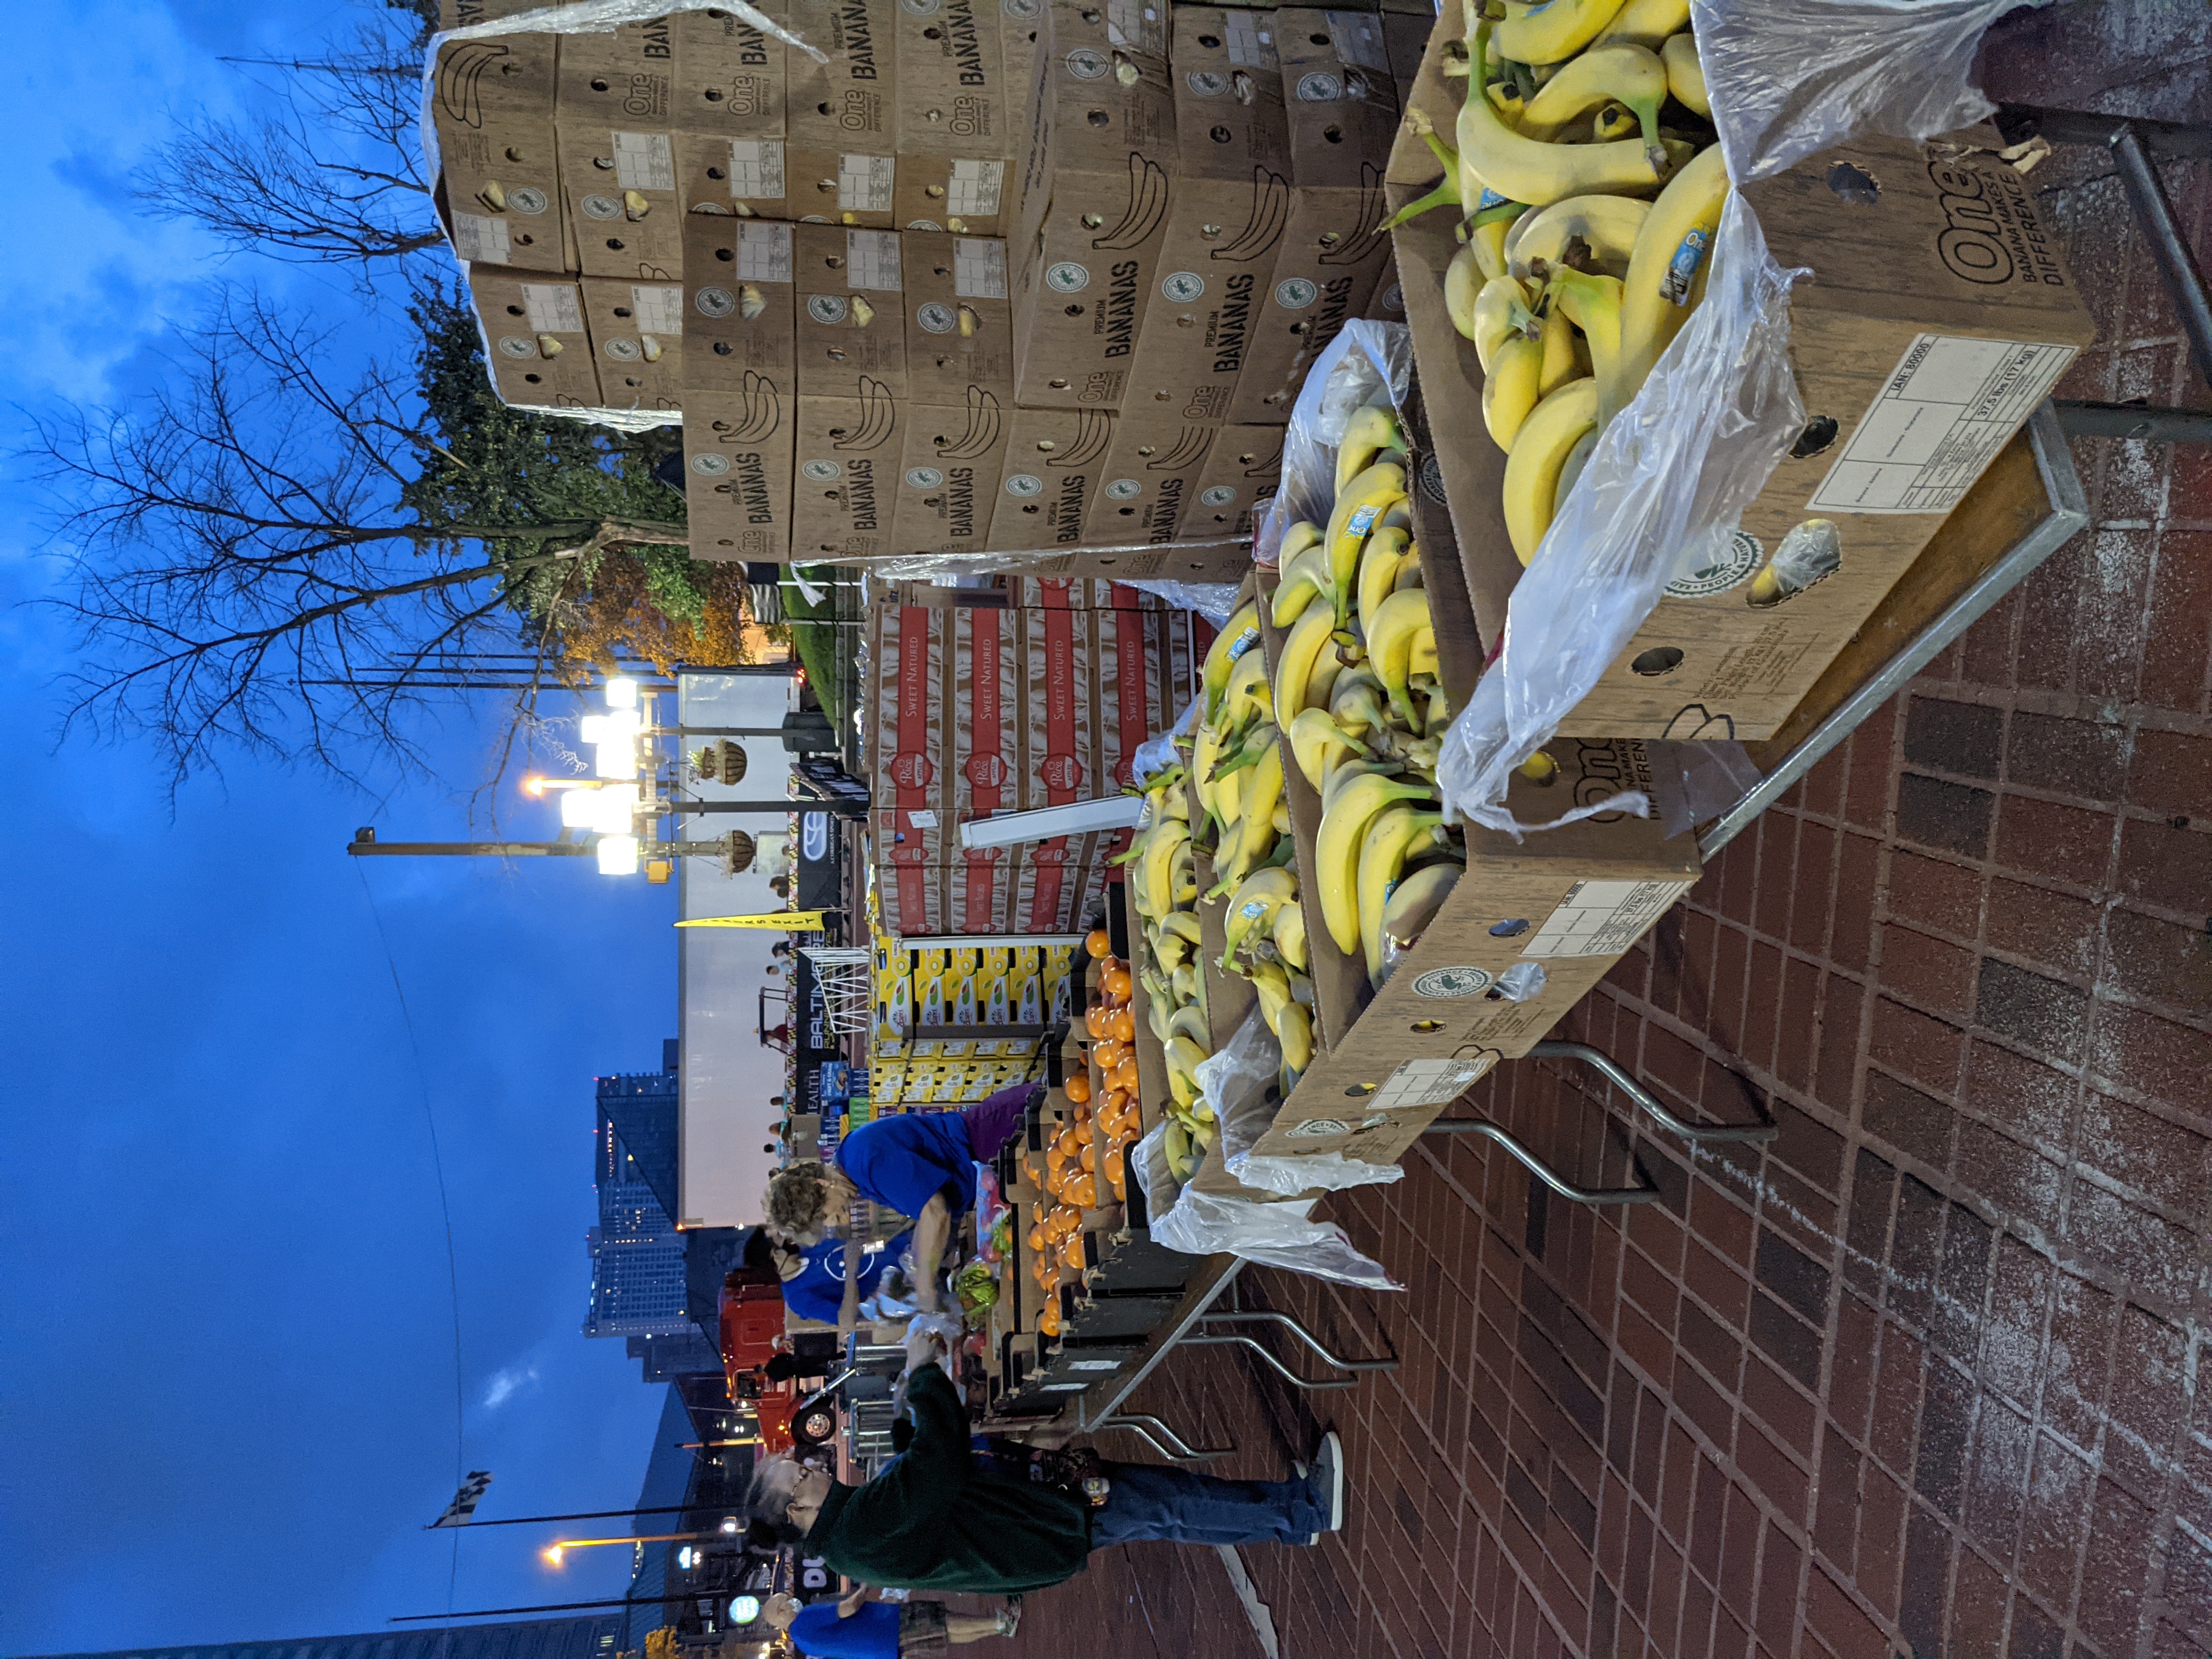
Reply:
x=228, y=1361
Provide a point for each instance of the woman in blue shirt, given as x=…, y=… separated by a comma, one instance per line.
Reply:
x=856, y=1628
x=814, y=1277
x=920, y=1164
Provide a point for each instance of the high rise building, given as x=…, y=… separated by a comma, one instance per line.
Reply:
x=598, y=1636
x=637, y=1254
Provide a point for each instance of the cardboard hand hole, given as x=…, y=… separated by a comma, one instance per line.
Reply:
x=1426, y=1026
x=1057, y=386
x=723, y=349
x=532, y=379
x=1220, y=135
x=514, y=311
x=1820, y=432
x=621, y=311
x=715, y=172
x=724, y=254
x=1099, y=117
x=1659, y=660
x=616, y=243
x=1093, y=221
x=1210, y=42
x=1334, y=135
x=1318, y=40
x=597, y=85
x=1512, y=928
x=1073, y=311
x=1855, y=185
x=1358, y=1089
x=713, y=94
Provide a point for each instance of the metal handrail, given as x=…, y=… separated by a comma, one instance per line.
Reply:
x=1536, y=1166
x=1619, y=1076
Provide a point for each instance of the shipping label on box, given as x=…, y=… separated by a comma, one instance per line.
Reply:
x=541, y=352
x=619, y=186
x=737, y=458
x=1150, y=477
x=842, y=187
x=967, y=195
x=959, y=319
x=844, y=476
x=740, y=305
x=1230, y=204
x=851, y=101
x=1052, y=467
x=729, y=75
x=948, y=479
x=715, y=173
x=1094, y=192
x=851, y=316
x=637, y=336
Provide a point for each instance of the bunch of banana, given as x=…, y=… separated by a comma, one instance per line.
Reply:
x=1590, y=189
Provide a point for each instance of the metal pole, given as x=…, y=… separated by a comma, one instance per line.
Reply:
x=2184, y=281
x=584, y=1514
x=785, y=805
x=479, y=849
x=725, y=730
x=549, y=1606
x=2084, y=419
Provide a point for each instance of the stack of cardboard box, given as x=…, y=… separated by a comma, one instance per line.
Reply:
x=1008, y=707
x=1034, y=277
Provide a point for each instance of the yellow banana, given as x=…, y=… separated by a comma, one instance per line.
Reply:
x=1302, y=578
x=1355, y=703
x=1607, y=224
x=1155, y=865
x=1392, y=633
x=1686, y=75
x=1593, y=305
x=1297, y=539
x=1509, y=390
x=1549, y=34
x=1407, y=911
x=1336, y=849
x=1487, y=237
x=1371, y=429
x=1571, y=468
x=1344, y=776
x=1387, y=547
x=1560, y=363
x=1252, y=907
x=1532, y=466
x=1359, y=504
x=1301, y=648
x=1493, y=156
x=1647, y=23
x=1183, y=1057
x=1246, y=696
x=1612, y=122
x=1273, y=986
x=1184, y=989
x=1539, y=768
x=1381, y=861
x=1260, y=794
x=1204, y=752
x=1463, y=283
x=1242, y=635
x=1622, y=73
x=1289, y=932
x=1189, y=1022
x=1667, y=268
x=1183, y=925
x=1294, y=1031
x=1318, y=743
x=1500, y=311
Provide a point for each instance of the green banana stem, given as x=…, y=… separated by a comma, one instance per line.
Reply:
x=1446, y=194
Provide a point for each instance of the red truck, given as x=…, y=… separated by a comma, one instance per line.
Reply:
x=752, y=1334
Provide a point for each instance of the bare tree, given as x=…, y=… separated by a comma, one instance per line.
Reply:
x=274, y=555
x=330, y=172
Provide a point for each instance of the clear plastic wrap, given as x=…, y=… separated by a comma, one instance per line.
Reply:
x=1693, y=783
x=1368, y=362
x=930, y=567
x=1156, y=754
x=1788, y=78
x=1215, y=601
x=1235, y=1081
x=1721, y=408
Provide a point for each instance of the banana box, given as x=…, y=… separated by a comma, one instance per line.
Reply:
x=637, y=339
x=730, y=75
x=739, y=300
x=948, y=477
x=1051, y=469
x=541, y=352
x=850, y=102
x=1243, y=471
x=743, y=178
x=851, y=321
x=960, y=115
x=736, y=460
x=491, y=108
x=843, y=185
x=959, y=324
x=615, y=114
x=1231, y=205
x=1094, y=196
x=1150, y=478
x=844, y=473
x=1341, y=105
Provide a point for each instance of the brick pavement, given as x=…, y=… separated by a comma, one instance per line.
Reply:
x=1923, y=1375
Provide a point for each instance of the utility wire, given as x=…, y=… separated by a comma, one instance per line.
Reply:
x=445, y=1210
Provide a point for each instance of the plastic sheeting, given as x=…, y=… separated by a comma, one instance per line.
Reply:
x=1368, y=362
x=930, y=567
x=1788, y=78
x=1215, y=601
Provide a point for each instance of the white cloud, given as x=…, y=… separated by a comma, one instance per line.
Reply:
x=506, y=1383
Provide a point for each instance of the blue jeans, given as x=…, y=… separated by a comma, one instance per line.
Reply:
x=1179, y=1507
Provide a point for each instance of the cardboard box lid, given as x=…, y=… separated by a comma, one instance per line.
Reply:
x=1228, y=86
x=1339, y=95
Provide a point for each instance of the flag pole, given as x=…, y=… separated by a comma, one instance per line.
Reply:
x=583, y=1515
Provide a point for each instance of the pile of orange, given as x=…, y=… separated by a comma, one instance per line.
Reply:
x=1071, y=1171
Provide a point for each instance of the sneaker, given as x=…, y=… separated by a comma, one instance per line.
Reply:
x=1329, y=1474
x=1010, y=1616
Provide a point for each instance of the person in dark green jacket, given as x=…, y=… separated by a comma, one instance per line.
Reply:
x=935, y=1519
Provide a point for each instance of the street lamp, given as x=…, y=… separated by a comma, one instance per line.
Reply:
x=610, y=802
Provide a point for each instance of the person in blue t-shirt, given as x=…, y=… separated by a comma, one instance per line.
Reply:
x=921, y=1165
x=857, y=1628
x=814, y=1277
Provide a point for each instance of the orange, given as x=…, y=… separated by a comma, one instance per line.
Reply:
x=1089, y=1158
x=1083, y=1192
x=1115, y=981
x=1079, y=1086
x=1122, y=1025
x=1095, y=1019
x=1125, y=1075
x=1116, y=1100
x=1110, y=1053
x=1037, y=1239
x=1096, y=942
x=1117, y=1164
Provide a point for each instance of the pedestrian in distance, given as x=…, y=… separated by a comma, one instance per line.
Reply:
x=856, y=1627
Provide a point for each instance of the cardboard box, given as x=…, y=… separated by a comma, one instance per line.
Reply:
x=1939, y=315
x=959, y=321
x=1388, y=303
x=1053, y=464
x=1243, y=471
x=1095, y=190
x=967, y=195
x=508, y=73
x=948, y=482
x=615, y=114
x=541, y=352
x=636, y=330
x=491, y=107
x=740, y=301
x=737, y=452
x=1149, y=481
x=962, y=118
x=845, y=475
x=1341, y=105
x=851, y=318
x=730, y=76
x=850, y=102
x=1026, y=27
x=719, y=175
x=1230, y=204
